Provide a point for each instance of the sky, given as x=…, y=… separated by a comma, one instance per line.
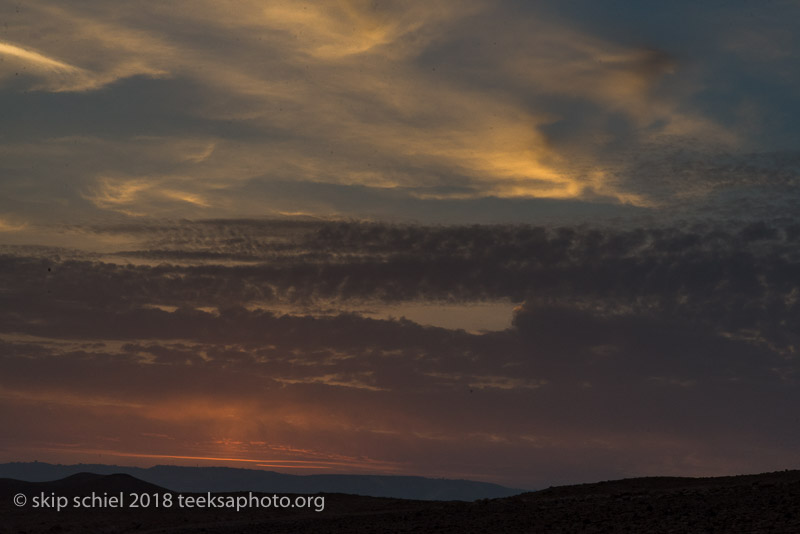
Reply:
x=530, y=243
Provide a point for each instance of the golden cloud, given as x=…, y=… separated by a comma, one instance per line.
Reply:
x=340, y=94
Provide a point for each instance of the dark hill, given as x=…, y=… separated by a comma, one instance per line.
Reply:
x=226, y=479
x=666, y=484
x=768, y=502
x=79, y=484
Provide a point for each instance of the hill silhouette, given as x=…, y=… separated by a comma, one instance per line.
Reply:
x=226, y=479
x=767, y=502
x=80, y=484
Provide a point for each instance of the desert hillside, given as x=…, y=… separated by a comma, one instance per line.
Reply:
x=767, y=502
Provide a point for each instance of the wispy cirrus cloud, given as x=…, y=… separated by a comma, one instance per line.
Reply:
x=7, y=225
x=37, y=59
x=433, y=102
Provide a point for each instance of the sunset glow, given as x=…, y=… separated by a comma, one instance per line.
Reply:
x=522, y=243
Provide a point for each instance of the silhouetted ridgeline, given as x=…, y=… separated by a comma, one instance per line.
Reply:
x=225, y=479
x=732, y=505
x=79, y=484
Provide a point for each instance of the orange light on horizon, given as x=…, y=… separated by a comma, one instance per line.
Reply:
x=342, y=463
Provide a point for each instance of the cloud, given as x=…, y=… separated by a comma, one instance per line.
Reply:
x=50, y=74
x=35, y=58
x=7, y=225
x=127, y=194
x=688, y=269
x=735, y=284
x=425, y=101
x=591, y=392
x=654, y=303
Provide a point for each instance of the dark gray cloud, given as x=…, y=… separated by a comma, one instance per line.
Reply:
x=219, y=263
x=654, y=348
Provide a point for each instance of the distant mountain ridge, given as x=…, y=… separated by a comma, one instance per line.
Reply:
x=743, y=504
x=228, y=479
x=80, y=484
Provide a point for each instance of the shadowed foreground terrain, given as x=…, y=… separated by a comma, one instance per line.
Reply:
x=747, y=504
